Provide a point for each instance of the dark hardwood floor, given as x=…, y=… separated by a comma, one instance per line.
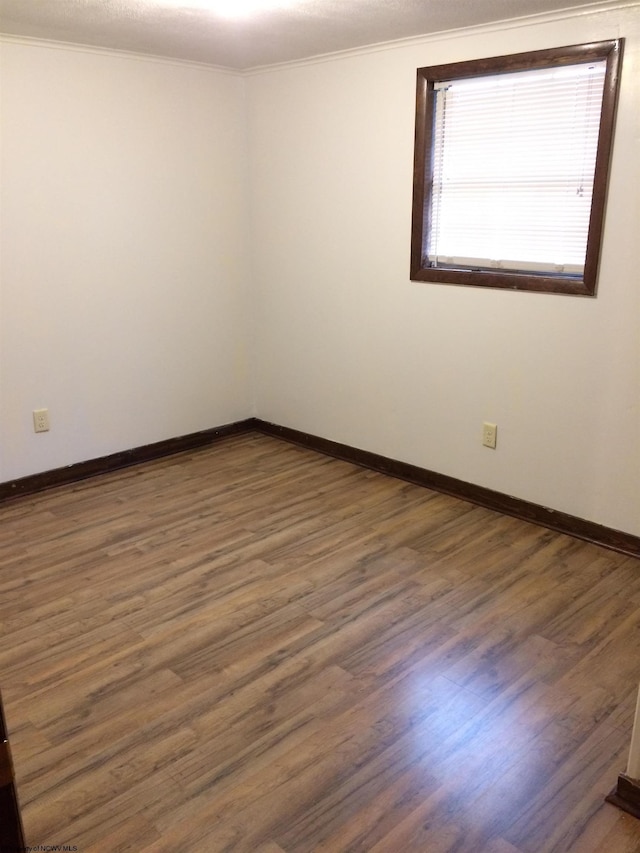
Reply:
x=257, y=648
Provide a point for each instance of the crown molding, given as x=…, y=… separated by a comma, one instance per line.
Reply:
x=447, y=35
x=601, y=7
x=52, y=44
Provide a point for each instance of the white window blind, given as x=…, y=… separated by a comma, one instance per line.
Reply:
x=513, y=165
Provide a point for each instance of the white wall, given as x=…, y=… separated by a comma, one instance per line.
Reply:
x=350, y=349
x=124, y=299
x=123, y=304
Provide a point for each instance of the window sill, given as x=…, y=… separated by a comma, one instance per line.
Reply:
x=571, y=285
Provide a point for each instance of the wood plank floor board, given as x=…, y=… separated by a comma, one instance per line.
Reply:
x=124, y=816
x=571, y=790
x=254, y=647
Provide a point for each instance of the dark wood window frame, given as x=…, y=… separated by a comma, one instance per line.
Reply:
x=584, y=285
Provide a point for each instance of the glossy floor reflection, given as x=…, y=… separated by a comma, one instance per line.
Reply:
x=257, y=648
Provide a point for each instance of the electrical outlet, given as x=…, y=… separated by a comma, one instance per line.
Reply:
x=41, y=420
x=489, y=435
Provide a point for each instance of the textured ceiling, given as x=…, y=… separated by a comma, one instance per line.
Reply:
x=188, y=29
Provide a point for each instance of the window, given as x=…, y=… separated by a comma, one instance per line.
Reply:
x=511, y=166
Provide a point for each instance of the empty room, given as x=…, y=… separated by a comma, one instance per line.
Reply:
x=320, y=426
